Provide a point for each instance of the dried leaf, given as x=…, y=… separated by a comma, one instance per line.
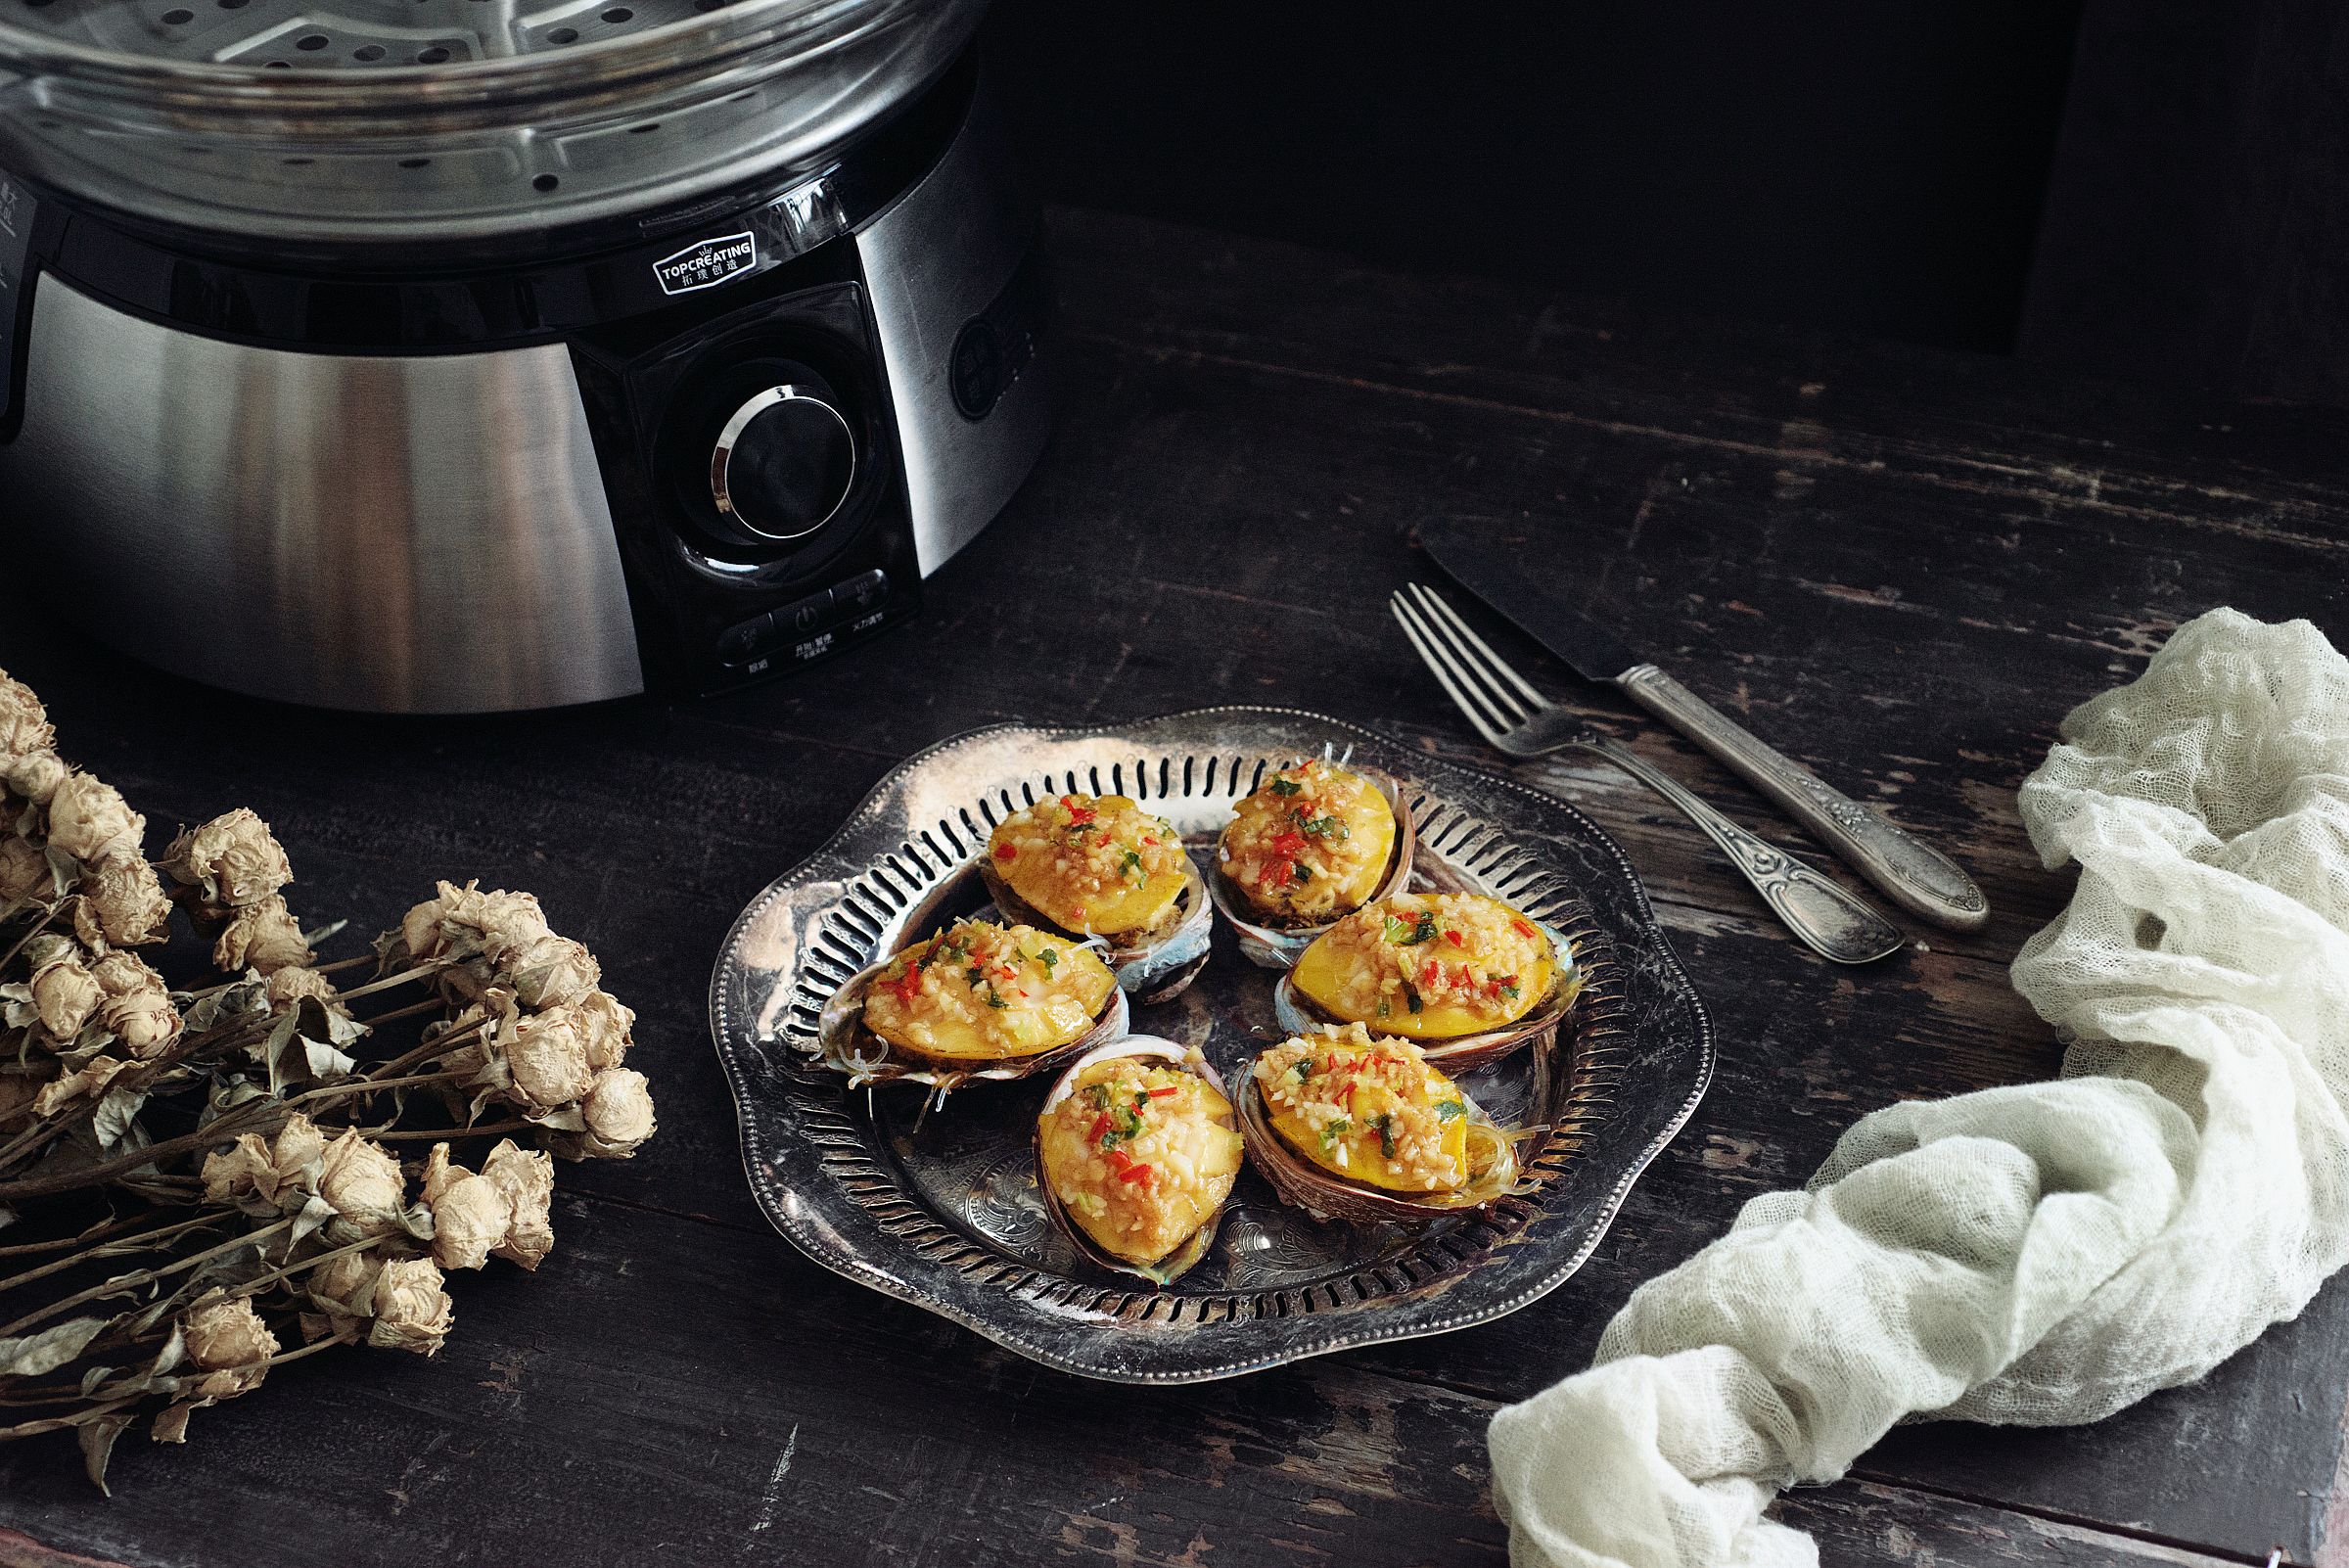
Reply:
x=312, y=938
x=46, y=1351
x=116, y=1123
x=92, y=1378
x=172, y=1426
x=327, y=1063
x=315, y=1215
x=97, y=1445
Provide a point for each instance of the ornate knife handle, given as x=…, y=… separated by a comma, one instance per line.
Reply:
x=1919, y=879
x=1832, y=922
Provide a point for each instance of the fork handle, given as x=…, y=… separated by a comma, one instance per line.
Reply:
x=1918, y=878
x=1829, y=920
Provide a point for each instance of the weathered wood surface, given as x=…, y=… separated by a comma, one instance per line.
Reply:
x=1901, y=567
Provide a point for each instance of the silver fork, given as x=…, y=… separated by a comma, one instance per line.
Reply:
x=1523, y=723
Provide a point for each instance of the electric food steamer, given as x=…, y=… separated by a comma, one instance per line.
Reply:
x=454, y=355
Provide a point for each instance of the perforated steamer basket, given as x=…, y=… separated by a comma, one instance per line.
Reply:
x=334, y=126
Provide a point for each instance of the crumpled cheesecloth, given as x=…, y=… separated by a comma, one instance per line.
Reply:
x=2044, y=1254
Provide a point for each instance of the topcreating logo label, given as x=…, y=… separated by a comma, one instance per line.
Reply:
x=707, y=263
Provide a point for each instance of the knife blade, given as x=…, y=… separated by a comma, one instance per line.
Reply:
x=1513, y=575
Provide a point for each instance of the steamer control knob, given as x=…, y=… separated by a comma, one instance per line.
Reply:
x=783, y=464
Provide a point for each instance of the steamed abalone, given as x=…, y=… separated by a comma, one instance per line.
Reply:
x=1311, y=843
x=1137, y=1151
x=1101, y=865
x=1362, y=1129
x=1468, y=978
x=975, y=1000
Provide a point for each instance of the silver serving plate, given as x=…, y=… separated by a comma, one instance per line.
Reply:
x=938, y=1205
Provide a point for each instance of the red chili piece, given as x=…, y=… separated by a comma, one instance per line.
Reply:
x=1453, y=938
x=1523, y=930
x=1005, y=851
x=1134, y=1172
x=1162, y=1093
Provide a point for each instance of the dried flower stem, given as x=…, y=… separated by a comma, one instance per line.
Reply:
x=38, y=927
x=88, y=1235
x=59, y=1423
x=144, y=1276
x=337, y=966
x=431, y=1048
x=254, y=1116
x=404, y=1012
x=420, y=972
x=253, y=1287
x=233, y=1036
x=139, y=1243
x=32, y=1427
x=447, y=1134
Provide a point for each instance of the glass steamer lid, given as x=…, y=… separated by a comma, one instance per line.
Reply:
x=354, y=123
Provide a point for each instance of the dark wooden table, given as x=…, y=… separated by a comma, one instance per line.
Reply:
x=1901, y=565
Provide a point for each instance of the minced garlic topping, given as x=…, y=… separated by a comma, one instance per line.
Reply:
x=982, y=990
x=1311, y=843
x=1370, y=1110
x=1141, y=1155
x=1090, y=863
x=1429, y=965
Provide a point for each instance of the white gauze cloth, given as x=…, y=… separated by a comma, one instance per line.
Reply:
x=2047, y=1252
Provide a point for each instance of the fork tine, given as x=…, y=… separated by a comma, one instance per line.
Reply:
x=1449, y=615
x=1460, y=696
x=1496, y=694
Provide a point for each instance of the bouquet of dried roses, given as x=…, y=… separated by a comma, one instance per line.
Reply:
x=280, y=1216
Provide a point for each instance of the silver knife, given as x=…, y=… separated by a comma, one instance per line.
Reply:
x=1918, y=878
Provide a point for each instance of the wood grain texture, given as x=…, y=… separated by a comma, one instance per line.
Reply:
x=1899, y=567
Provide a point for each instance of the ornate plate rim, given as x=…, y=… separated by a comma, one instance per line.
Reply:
x=1346, y=1330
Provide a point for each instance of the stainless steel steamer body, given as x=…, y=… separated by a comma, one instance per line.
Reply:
x=509, y=504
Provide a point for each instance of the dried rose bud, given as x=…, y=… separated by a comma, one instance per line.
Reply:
x=138, y=1004
x=527, y=1180
x=299, y=1142
x=23, y=721
x=507, y=921
x=245, y=1168
x=127, y=899
x=24, y=871
x=604, y=1024
x=502, y=921
x=548, y=1058
x=363, y=1183
x=619, y=1108
x=232, y=859
x=67, y=994
x=90, y=820
x=470, y=1212
x=264, y=936
x=227, y=1338
x=412, y=1309
x=144, y=1021
x=552, y=972
x=287, y=987
x=36, y=776
x=344, y=1285
x=252, y=1165
x=89, y=1079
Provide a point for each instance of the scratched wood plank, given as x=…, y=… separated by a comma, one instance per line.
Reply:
x=1904, y=577
x=1859, y=1521
x=667, y=1391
